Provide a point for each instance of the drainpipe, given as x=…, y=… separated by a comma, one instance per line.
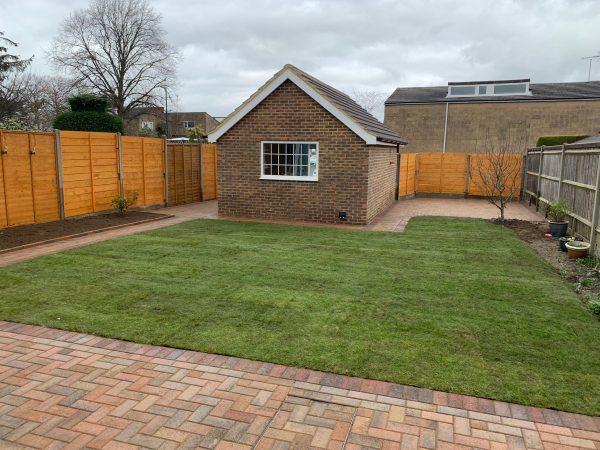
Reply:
x=445, y=128
x=397, y=171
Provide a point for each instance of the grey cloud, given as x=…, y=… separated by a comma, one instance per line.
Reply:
x=230, y=47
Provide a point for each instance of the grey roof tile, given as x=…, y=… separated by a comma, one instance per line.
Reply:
x=539, y=91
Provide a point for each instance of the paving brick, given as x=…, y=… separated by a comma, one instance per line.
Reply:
x=100, y=393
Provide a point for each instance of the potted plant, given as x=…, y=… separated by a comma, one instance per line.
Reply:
x=577, y=249
x=562, y=242
x=558, y=212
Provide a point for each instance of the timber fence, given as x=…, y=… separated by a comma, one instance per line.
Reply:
x=53, y=176
x=445, y=174
x=570, y=172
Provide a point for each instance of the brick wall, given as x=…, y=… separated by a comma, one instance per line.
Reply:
x=382, y=180
x=423, y=125
x=289, y=114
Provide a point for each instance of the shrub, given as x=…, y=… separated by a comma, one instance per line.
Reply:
x=87, y=102
x=123, y=203
x=88, y=113
x=558, y=211
x=559, y=140
x=594, y=306
x=14, y=123
x=88, y=121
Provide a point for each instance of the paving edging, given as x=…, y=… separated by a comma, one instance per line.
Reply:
x=329, y=387
x=85, y=233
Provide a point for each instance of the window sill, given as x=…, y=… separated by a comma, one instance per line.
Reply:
x=291, y=178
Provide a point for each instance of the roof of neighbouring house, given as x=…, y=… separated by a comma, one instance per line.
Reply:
x=589, y=140
x=539, y=91
x=350, y=113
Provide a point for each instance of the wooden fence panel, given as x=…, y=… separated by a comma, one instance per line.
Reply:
x=429, y=173
x=184, y=173
x=481, y=162
x=454, y=173
x=18, y=188
x=407, y=174
x=143, y=169
x=3, y=210
x=209, y=171
x=44, y=177
x=90, y=171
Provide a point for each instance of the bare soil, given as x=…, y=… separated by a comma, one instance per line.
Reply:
x=579, y=272
x=29, y=234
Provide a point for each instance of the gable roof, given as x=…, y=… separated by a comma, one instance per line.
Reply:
x=539, y=91
x=340, y=105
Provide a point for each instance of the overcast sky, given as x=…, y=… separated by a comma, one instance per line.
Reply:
x=230, y=47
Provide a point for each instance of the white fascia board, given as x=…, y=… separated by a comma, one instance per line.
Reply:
x=310, y=91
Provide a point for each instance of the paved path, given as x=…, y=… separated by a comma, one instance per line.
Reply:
x=65, y=390
x=396, y=218
x=181, y=213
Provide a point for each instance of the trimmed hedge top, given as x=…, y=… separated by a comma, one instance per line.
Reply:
x=88, y=113
x=87, y=102
x=559, y=140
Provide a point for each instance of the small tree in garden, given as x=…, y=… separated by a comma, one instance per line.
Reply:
x=498, y=167
x=122, y=203
x=196, y=134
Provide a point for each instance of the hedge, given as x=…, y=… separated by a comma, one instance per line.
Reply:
x=559, y=140
x=89, y=121
x=87, y=102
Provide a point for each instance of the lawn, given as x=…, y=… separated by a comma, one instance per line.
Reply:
x=458, y=305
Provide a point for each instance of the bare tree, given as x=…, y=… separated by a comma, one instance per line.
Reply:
x=498, y=165
x=372, y=101
x=116, y=49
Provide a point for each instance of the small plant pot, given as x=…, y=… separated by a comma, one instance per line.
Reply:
x=577, y=249
x=562, y=243
x=558, y=229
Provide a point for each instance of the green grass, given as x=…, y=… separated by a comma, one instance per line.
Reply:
x=459, y=305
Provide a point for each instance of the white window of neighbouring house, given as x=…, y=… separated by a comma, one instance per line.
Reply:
x=297, y=161
x=188, y=124
x=147, y=125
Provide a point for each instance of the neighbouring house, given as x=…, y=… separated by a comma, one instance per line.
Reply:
x=152, y=120
x=299, y=149
x=457, y=117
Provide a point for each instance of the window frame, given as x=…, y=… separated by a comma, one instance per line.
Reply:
x=186, y=123
x=146, y=122
x=287, y=177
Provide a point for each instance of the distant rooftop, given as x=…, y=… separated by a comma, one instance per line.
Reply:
x=498, y=90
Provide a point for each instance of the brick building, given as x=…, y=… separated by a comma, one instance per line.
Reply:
x=458, y=117
x=152, y=120
x=299, y=149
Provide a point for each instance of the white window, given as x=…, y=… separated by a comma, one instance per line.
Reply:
x=188, y=124
x=289, y=161
x=492, y=89
x=147, y=125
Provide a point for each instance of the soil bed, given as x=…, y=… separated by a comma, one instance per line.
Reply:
x=29, y=234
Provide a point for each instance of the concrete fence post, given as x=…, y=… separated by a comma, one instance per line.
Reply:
x=120, y=155
x=595, y=212
x=59, y=174
x=201, y=174
x=166, y=173
x=467, y=174
x=539, y=180
x=562, y=171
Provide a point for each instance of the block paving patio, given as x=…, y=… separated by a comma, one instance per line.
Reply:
x=67, y=390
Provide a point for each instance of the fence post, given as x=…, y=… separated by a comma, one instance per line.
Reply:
x=595, y=212
x=166, y=173
x=120, y=155
x=539, y=180
x=522, y=193
x=201, y=174
x=468, y=174
x=562, y=171
x=59, y=174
